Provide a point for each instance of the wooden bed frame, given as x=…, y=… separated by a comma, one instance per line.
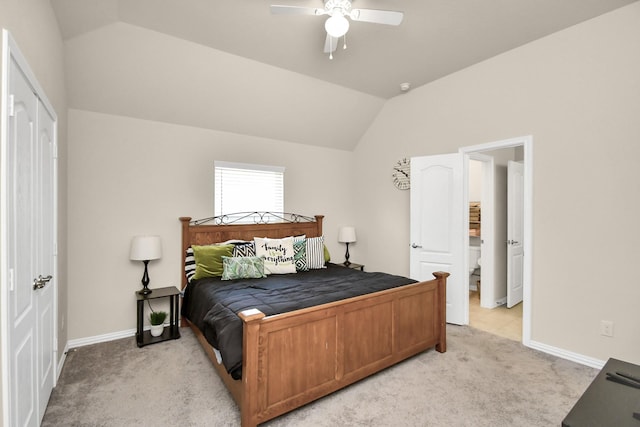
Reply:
x=294, y=358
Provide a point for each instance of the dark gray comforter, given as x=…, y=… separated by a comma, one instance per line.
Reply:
x=212, y=304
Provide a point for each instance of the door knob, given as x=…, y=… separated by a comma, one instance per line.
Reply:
x=414, y=246
x=41, y=282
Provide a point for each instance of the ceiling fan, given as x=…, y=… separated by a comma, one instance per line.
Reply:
x=337, y=24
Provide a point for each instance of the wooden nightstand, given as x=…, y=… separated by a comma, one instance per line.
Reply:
x=353, y=265
x=170, y=332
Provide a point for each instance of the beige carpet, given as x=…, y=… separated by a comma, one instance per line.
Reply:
x=482, y=380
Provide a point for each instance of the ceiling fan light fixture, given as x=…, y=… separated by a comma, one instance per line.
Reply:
x=337, y=25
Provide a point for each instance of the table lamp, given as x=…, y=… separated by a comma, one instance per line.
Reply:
x=145, y=249
x=347, y=235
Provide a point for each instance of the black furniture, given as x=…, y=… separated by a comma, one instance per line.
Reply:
x=353, y=265
x=608, y=403
x=170, y=332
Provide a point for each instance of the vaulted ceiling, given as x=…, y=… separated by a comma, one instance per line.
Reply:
x=280, y=58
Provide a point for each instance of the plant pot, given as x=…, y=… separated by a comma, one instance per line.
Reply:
x=156, y=330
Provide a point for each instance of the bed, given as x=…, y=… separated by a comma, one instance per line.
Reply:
x=292, y=358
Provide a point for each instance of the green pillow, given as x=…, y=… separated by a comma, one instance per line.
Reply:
x=209, y=259
x=327, y=255
x=248, y=267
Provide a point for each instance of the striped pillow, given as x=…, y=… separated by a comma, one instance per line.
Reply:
x=315, y=252
x=189, y=264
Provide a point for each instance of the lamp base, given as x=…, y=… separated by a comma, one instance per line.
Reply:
x=346, y=255
x=145, y=281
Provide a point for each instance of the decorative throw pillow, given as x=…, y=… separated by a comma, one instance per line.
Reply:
x=278, y=254
x=300, y=255
x=244, y=249
x=190, y=260
x=232, y=242
x=209, y=259
x=315, y=252
x=248, y=267
x=327, y=255
x=189, y=264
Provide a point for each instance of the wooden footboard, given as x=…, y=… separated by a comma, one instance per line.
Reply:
x=294, y=358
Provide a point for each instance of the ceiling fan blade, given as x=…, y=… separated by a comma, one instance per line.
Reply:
x=277, y=9
x=330, y=44
x=388, y=17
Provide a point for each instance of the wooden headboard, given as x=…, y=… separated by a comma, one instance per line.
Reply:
x=226, y=227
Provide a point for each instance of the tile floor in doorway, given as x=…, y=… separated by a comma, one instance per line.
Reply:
x=501, y=321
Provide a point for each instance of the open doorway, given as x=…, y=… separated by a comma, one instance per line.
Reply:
x=488, y=239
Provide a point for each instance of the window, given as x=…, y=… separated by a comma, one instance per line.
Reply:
x=241, y=187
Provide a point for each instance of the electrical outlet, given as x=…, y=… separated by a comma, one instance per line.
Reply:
x=606, y=328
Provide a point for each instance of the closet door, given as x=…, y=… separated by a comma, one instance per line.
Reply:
x=30, y=225
x=22, y=243
x=45, y=249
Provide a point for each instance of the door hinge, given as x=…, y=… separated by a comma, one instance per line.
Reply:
x=11, y=280
x=55, y=151
x=11, y=106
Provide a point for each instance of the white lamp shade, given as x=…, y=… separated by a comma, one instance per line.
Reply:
x=347, y=235
x=336, y=26
x=145, y=248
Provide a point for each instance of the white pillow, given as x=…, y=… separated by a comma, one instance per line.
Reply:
x=277, y=253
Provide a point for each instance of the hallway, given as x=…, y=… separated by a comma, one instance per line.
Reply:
x=501, y=321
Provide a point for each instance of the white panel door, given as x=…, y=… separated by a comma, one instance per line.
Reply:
x=515, y=232
x=30, y=199
x=437, y=226
x=45, y=322
x=23, y=334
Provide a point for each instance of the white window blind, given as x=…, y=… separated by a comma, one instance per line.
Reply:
x=241, y=187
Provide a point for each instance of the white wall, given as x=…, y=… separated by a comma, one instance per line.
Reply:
x=129, y=176
x=33, y=26
x=578, y=93
x=135, y=72
x=475, y=181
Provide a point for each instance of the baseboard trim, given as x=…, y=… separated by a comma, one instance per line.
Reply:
x=545, y=348
x=565, y=354
x=501, y=301
x=63, y=358
x=81, y=342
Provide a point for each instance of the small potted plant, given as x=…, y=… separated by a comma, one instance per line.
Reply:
x=157, y=319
